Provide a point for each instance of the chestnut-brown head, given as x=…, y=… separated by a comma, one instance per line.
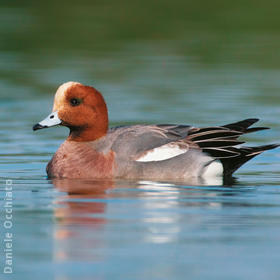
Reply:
x=82, y=109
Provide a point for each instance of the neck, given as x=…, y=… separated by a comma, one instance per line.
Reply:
x=86, y=134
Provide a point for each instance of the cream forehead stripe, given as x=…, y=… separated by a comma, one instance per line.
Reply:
x=59, y=96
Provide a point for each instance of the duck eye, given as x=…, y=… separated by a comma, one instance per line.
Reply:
x=75, y=101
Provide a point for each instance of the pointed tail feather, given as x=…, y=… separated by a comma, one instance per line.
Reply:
x=222, y=143
x=242, y=126
x=246, y=153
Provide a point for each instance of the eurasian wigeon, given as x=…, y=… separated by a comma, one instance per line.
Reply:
x=159, y=152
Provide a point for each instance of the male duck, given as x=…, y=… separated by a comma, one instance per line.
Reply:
x=160, y=152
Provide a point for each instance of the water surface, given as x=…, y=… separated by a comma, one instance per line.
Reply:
x=195, y=63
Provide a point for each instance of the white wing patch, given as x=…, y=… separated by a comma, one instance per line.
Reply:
x=163, y=152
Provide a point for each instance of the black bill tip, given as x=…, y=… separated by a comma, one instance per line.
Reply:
x=38, y=126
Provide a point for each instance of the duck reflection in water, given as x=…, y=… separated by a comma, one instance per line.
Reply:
x=79, y=218
x=81, y=211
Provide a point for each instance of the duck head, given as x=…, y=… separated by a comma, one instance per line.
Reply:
x=80, y=108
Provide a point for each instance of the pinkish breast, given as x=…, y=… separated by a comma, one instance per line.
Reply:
x=80, y=160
